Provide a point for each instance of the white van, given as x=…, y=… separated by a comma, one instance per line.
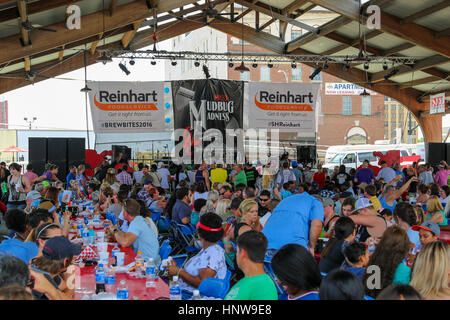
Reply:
x=355, y=157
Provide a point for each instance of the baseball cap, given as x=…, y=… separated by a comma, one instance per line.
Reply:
x=327, y=202
x=33, y=194
x=160, y=165
x=429, y=226
x=294, y=164
x=60, y=247
x=25, y=250
x=189, y=167
x=362, y=203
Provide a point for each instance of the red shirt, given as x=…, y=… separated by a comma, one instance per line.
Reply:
x=320, y=178
x=3, y=207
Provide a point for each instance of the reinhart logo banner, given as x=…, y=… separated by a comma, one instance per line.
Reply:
x=284, y=106
x=127, y=106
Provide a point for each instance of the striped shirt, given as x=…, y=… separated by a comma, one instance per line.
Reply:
x=124, y=178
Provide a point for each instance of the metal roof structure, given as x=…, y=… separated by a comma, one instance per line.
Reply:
x=411, y=28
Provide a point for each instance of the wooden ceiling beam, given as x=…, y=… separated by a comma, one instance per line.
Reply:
x=412, y=32
x=354, y=43
x=75, y=62
x=22, y=9
x=265, y=25
x=220, y=7
x=426, y=80
x=396, y=49
x=128, y=36
x=404, y=69
x=323, y=31
x=443, y=33
x=125, y=15
x=35, y=7
x=112, y=7
x=425, y=12
x=302, y=12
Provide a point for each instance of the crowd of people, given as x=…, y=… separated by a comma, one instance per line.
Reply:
x=324, y=235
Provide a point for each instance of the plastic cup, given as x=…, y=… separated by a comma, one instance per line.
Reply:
x=102, y=246
x=100, y=236
x=120, y=258
x=104, y=257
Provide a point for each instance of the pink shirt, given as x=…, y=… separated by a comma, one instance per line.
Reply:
x=441, y=177
x=31, y=176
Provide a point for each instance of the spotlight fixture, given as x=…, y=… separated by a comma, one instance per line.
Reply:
x=270, y=64
x=385, y=66
x=364, y=93
x=231, y=64
x=173, y=63
x=392, y=73
x=153, y=62
x=315, y=72
x=124, y=68
x=347, y=66
x=104, y=58
x=86, y=89
x=242, y=68
x=197, y=63
x=366, y=66
x=325, y=65
x=254, y=65
x=294, y=65
x=132, y=62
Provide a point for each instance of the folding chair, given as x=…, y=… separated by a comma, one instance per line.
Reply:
x=185, y=234
x=267, y=265
x=213, y=287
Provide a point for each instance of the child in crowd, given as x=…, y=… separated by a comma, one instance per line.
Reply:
x=287, y=190
x=370, y=192
x=198, y=205
x=356, y=259
x=388, y=216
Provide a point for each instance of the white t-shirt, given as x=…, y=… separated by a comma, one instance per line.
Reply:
x=137, y=175
x=203, y=195
x=124, y=226
x=164, y=177
x=285, y=176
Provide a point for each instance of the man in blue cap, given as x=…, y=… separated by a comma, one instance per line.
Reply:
x=297, y=172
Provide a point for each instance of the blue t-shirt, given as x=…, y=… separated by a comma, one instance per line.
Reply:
x=70, y=177
x=291, y=219
x=364, y=175
x=358, y=271
x=180, y=210
x=146, y=241
x=285, y=194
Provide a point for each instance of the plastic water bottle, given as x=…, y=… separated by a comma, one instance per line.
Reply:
x=175, y=289
x=85, y=236
x=4, y=187
x=139, y=262
x=196, y=295
x=122, y=291
x=110, y=282
x=150, y=273
x=371, y=246
x=91, y=236
x=100, y=278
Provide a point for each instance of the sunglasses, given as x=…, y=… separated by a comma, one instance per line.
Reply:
x=264, y=200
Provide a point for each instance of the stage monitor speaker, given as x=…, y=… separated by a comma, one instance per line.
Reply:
x=37, y=150
x=435, y=152
x=76, y=151
x=57, y=154
x=126, y=152
x=306, y=154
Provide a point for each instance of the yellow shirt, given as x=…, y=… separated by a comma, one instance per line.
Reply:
x=375, y=202
x=218, y=175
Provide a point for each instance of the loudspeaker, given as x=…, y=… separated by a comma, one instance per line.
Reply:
x=126, y=152
x=306, y=154
x=37, y=150
x=76, y=151
x=435, y=152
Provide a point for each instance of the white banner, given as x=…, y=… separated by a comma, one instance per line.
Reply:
x=345, y=89
x=128, y=107
x=284, y=106
x=437, y=103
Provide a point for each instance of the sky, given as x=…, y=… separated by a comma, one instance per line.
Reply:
x=59, y=104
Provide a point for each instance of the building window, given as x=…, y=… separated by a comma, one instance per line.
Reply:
x=245, y=76
x=297, y=74
x=296, y=34
x=366, y=105
x=318, y=77
x=265, y=73
x=347, y=106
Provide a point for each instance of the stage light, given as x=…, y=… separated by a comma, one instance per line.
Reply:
x=153, y=62
x=231, y=64
x=385, y=66
x=124, y=68
x=270, y=65
x=294, y=65
x=315, y=72
x=364, y=93
x=325, y=65
x=242, y=68
x=366, y=66
x=197, y=63
x=173, y=63
x=254, y=65
x=132, y=61
x=104, y=58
